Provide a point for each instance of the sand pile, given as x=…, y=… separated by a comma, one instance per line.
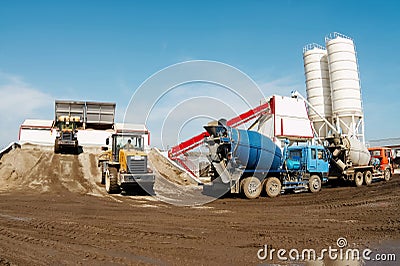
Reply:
x=169, y=171
x=37, y=168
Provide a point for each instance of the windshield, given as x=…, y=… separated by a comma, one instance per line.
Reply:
x=295, y=155
x=130, y=142
x=67, y=125
x=375, y=153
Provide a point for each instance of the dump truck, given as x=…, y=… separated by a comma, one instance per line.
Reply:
x=124, y=166
x=247, y=162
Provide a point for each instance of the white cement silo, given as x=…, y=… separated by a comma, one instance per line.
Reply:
x=345, y=85
x=318, y=86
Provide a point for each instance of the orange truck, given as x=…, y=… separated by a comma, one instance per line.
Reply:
x=381, y=159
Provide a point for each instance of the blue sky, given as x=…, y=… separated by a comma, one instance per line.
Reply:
x=103, y=50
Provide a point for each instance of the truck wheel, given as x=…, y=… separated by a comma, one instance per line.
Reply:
x=387, y=174
x=358, y=179
x=273, y=187
x=314, y=184
x=251, y=187
x=367, y=178
x=112, y=186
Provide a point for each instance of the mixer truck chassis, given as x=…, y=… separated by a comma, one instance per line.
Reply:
x=362, y=175
x=357, y=175
x=273, y=183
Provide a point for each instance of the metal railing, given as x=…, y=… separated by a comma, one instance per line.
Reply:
x=311, y=46
x=334, y=35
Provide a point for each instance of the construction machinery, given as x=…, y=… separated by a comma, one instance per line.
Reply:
x=247, y=162
x=124, y=165
x=381, y=159
x=66, y=138
x=86, y=122
x=350, y=160
x=69, y=117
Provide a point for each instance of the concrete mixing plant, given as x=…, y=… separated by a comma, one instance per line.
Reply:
x=335, y=108
x=333, y=87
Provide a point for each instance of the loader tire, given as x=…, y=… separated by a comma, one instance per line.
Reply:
x=103, y=174
x=112, y=186
x=387, y=174
x=103, y=178
x=314, y=184
x=367, y=178
x=358, y=179
x=56, y=148
x=251, y=187
x=273, y=187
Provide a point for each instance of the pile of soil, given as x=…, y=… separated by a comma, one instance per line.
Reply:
x=169, y=170
x=37, y=168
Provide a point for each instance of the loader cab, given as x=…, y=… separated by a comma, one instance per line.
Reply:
x=129, y=142
x=67, y=126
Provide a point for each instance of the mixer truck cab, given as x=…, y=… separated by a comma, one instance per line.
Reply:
x=308, y=160
x=260, y=165
x=381, y=159
x=311, y=158
x=304, y=168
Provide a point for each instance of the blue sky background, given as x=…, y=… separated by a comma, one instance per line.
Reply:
x=103, y=50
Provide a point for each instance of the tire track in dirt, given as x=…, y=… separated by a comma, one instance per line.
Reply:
x=41, y=240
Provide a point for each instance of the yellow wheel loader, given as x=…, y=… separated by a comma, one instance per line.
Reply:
x=125, y=165
x=66, y=138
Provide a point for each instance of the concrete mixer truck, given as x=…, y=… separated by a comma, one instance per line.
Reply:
x=351, y=161
x=247, y=162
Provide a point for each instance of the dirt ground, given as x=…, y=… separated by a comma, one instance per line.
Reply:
x=54, y=211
